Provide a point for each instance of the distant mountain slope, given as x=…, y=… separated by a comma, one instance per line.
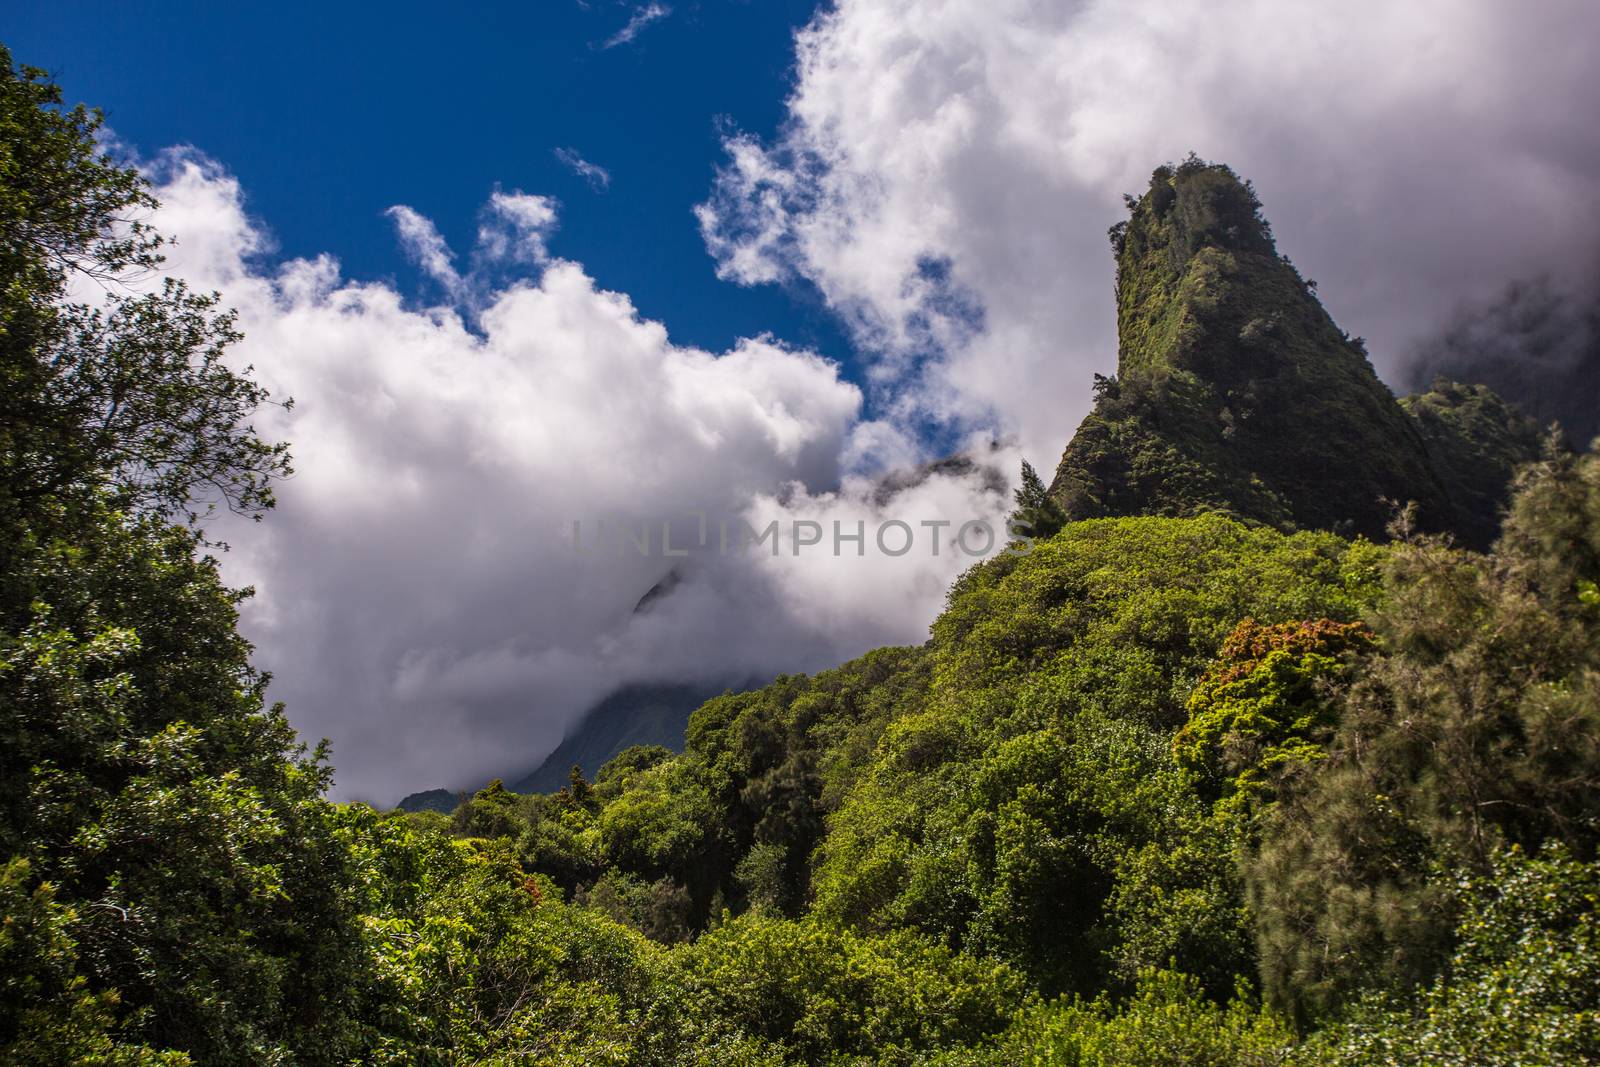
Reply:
x=440, y=800
x=1236, y=391
x=633, y=715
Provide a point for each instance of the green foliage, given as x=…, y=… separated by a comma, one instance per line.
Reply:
x=1479, y=726
x=817, y=994
x=1520, y=988
x=1168, y=1022
x=1268, y=701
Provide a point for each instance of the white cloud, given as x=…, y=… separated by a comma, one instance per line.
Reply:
x=949, y=168
x=869, y=593
x=641, y=17
x=597, y=176
x=512, y=230
x=514, y=227
x=425, y=246
x=419, y=599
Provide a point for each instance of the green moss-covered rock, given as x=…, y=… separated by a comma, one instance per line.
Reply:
x=1237, y=392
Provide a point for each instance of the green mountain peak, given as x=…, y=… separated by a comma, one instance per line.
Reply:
x=1237, y=392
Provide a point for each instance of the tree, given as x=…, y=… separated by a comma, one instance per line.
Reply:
x=133, y=399
x=492, y=812
x=1520, y=986
x=1478, y=727
x=578, y=787
x=1037, y=511
x=163, y=827
x=1267, y=701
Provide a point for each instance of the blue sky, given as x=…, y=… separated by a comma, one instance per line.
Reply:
x=330, y=113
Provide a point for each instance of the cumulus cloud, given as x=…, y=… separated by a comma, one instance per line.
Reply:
x=514, y=226
x=425, y=246
x=421, y=598
x=598, y=177
x=641, y=17
x=948, y=170
x=512, y=230
x=890, y=548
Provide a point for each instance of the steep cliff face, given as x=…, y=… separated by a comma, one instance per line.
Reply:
x=1236, y=391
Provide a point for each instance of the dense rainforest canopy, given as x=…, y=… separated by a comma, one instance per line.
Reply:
x=1214, y=781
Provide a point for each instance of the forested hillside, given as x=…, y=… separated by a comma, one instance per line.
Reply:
x=1166, y=789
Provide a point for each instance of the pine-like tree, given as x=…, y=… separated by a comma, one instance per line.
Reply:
x=1037, y=512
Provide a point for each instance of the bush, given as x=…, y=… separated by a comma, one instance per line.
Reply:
x=1522, y=987
x=1167, y=1023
